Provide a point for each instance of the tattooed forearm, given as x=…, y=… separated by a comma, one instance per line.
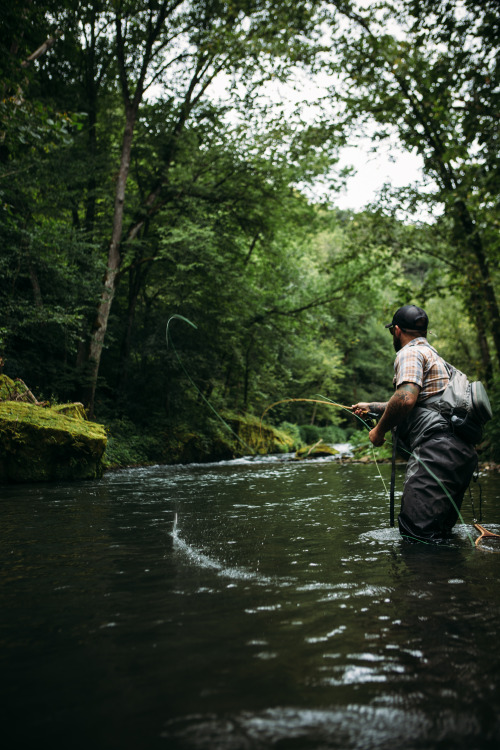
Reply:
x=377, y=407
x=399, y=406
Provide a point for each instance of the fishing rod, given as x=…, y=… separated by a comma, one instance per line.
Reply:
x=324, y=400
x=368, y=423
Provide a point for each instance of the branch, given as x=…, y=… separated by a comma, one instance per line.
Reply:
x=42, y=49
x=335, y=294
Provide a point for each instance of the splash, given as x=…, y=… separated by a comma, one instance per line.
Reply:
x=201, y=560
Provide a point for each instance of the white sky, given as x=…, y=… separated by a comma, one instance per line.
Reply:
x=386, y=164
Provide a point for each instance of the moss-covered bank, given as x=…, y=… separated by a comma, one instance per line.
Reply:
x=39, y=443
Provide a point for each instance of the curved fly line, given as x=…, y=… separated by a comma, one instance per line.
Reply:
x=325, y=400
x=484, y=533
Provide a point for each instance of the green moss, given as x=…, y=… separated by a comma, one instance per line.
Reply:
x=256, y=437
x=42, y=444
x=318, y=449
x=216, y=443
x=76, y=410
x=12, y=390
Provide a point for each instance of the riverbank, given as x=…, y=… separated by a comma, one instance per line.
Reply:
x=43, y=442
x=238, y=436
x=126, y=448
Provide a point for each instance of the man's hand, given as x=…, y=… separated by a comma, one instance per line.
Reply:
x=362, y=408
x=375, y=407
x=376, y=437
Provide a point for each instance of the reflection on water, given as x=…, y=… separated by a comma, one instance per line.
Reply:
x=248, y=604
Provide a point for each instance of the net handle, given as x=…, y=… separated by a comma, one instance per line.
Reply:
x=484, y=533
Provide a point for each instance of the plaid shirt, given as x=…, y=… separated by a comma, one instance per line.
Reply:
x=419, y=363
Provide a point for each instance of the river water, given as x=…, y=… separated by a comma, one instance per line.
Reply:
x=243, y=605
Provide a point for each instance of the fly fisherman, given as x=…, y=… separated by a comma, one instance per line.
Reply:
x=420, y=375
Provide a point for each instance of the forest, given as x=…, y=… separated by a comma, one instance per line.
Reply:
x=175, y=165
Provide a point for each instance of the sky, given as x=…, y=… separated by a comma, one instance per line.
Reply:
x=387, y=164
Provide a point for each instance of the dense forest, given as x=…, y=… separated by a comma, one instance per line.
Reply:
x=152, y=173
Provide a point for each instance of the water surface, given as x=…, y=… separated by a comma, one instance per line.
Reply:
x=248, y=604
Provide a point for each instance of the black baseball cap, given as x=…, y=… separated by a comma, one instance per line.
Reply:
x=410, y=317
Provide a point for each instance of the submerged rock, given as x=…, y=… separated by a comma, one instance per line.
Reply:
x=318, y=449
x=41, y=444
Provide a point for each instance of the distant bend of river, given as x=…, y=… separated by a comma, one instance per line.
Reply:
x=240, y=606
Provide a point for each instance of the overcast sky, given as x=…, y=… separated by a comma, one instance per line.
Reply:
x=386, y=164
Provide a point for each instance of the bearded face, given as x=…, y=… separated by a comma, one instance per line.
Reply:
x=396, y=340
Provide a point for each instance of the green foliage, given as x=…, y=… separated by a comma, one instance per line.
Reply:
x=293, y=430
x=128, y=445
x=310, y=434
x=289, y=297
x=363, y=448
x=433, y=83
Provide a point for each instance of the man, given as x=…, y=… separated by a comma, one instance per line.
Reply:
x=435, y=452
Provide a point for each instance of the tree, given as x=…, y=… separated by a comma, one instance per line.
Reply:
x=433, y=81
x=183, y=46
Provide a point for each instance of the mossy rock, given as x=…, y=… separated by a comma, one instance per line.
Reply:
x=189, y=446
x=42, y=444
x=76, y=410
x=317, y=450
x=256, y=437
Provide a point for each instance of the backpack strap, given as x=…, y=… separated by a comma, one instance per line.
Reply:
x=449, y=368
x=432, y=401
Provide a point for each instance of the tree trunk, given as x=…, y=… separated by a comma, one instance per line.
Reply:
x=487, y=366
x=473, y=240
x=114, y=259
x=313, y=416
x=35, y=284
x=136, y=281
x=91, y=91
x=478, y=316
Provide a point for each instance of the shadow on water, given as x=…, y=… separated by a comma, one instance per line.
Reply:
x=242, y=605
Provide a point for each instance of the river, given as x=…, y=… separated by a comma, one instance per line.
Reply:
x=240, y=606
